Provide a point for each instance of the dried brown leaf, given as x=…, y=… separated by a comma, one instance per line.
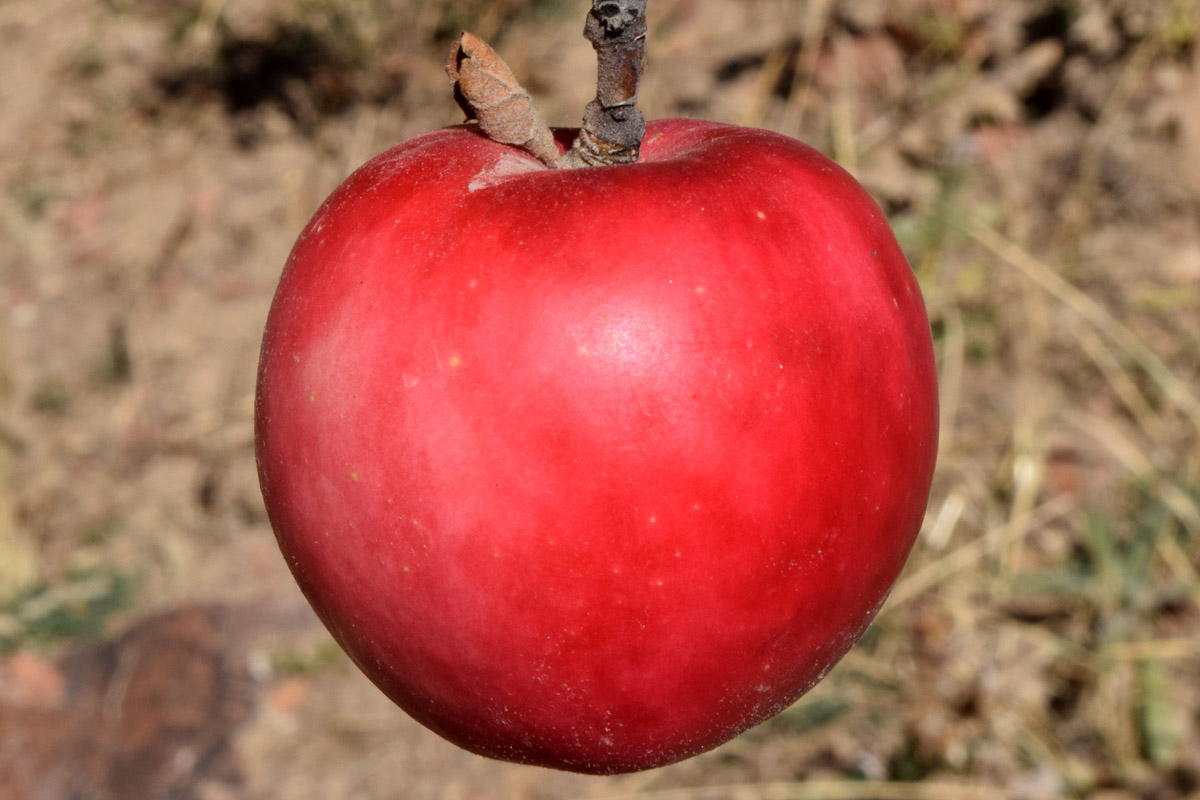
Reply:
x=488, y=91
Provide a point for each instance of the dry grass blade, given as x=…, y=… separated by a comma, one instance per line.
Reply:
x=1182, y=647
x=953, y=364
x=18, y=563
x=1091, y=156
x=1028, y=476
x=823, y=790
x=1091, y=311
x=964, y=557
x=18, y=559
x=1179, y=562
x=772, y=70
x=940, y=526
x=1119, y=379
x=814, y=19
x=1139, y=464
x=203, y=32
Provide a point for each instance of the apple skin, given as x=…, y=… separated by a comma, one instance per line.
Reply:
x=596, y=469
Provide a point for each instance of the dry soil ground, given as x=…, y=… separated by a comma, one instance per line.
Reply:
x=1040, y=160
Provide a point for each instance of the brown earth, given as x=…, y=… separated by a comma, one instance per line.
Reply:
x=1040, y=161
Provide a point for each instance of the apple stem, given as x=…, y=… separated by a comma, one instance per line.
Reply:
x=613, y=128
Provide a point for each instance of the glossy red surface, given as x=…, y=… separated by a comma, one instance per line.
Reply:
x=596, y=469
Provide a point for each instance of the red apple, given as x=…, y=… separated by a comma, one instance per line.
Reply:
x=595, y=469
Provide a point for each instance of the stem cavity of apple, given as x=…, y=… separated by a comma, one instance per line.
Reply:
x=613, y=128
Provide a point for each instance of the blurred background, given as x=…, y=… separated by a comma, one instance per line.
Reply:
x=1040, y=161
